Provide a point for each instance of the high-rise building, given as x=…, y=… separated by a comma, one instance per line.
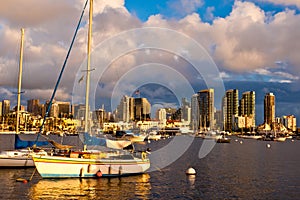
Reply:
x=142, y=109
x=33, y=106
x=124, y=110
x=206, y=109
x=290, y=122
x=5, y=107
x=269, y=108
x=185, y=110
x=230, y=108
x=161, y=115
x=219, y=120
x=194, y=112
x=99, y=117
x=54, y=110
x=78, y=111
x=247, y=106
x=1, y=109
x=63, y=108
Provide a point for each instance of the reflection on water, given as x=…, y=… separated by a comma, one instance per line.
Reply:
x=191, y=180
x=103, y=188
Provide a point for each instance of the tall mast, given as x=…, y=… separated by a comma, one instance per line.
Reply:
x=20, y=79
x=87, y=90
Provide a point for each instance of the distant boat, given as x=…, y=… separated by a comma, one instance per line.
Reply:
x=223, y=139
x=279, y=139
x=154, y=135
x=104, y=161
x=212, y=135
x=128, y=135
x=256, y=137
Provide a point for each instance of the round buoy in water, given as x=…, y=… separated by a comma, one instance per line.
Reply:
x=25, y=181
x=268, y=145
x=190, y=171
x=241, y=142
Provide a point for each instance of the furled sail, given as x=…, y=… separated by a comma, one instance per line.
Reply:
x=90, y=140
x=20, y=144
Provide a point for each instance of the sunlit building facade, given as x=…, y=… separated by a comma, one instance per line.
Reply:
x=206, y=109
x=269, y=108
x=230, y=108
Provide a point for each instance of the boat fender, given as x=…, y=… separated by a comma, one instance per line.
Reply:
x=81, y=172
x=144, y=155
x=120, y=170
x=89, y=168
x=99, y=173
x=109, y=169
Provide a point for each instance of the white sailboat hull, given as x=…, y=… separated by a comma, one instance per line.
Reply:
x=15, y=162
x=18, y=158
x=66, y=167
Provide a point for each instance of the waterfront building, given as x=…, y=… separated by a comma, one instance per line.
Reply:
x=22, y=108
x=185, y=110
x=194, y=112
x=206, y=109
x=54, y=110
x=239, y=122
x=99, y=117
x=242, y=122
x=78, y=111
x=63, y=108
x=142, y=109
x=269, y=108
x=231, y=105
x=1, y=108
x=5, y=107
x=34, y=107
x=290, y=122
x=219, y=120
x=124, y=111
x=247, y=107
x=161, y=115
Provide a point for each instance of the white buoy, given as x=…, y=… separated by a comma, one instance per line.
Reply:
x=241, y=142
x=268, y=146
x=236, y=140
x=292, y=140
x=190, y=171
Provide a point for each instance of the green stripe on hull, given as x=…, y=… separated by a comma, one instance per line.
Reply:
x=87, y=175
x=102, y=162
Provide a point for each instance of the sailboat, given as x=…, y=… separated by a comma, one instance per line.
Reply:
x=89, y=162
x=20, y=157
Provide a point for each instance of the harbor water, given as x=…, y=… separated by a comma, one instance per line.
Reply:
x=237, y=170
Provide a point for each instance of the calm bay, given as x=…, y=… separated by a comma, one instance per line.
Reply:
x=238, y=170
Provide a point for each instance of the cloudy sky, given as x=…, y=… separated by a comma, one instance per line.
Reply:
x=254, y=44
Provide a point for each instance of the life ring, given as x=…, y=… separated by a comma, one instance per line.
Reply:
x=144, y=155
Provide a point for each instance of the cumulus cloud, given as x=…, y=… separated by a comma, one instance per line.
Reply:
x=285, y=2
x=245, y=41
x=184, y=7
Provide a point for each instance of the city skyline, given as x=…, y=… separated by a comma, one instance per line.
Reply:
x=250, y=41
x=234, y=106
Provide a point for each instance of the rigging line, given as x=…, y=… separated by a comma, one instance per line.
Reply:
x=61, y=72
